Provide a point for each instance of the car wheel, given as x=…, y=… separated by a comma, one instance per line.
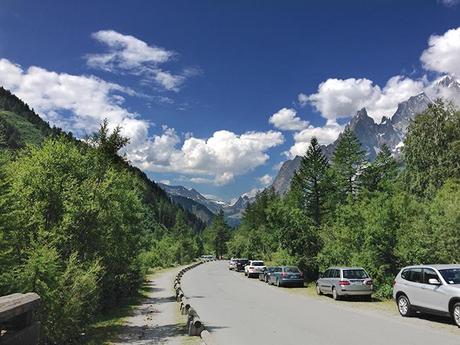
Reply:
x=335, y=295
x=456, y=313
x=318, y=290
x=266, y=279
x=404, y=306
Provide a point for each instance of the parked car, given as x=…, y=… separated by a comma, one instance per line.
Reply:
x=232, y=264
x=241, y=264
x=253, y=268
x=266, y=273
x=433, y=289
x=345, y=281
x=206, y=258
x=286, y=275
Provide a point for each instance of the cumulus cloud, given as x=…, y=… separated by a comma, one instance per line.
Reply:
x=86, y=99
x=341, y=98
x=128, y=54
x=80, y=103
x=265, y=180
x=217, y=159
x=325, y=135
x=286, y=119
x=443, y=53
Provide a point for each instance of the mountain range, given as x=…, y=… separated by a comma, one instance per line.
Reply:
x=205, y=208
x=390, y=131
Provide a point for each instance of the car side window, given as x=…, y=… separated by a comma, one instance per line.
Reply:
x=326, y=274
x=336, y=274
x=428, y=274
x=405, y=274
x=416, y=275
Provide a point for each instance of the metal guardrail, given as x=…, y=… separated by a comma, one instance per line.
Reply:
x=17, y=324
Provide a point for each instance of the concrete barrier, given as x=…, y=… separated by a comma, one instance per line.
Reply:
x=17, y=324
x=195, y=327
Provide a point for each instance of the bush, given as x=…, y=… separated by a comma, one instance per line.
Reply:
x=69, y=291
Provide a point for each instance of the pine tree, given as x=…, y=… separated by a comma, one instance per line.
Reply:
x=221, y=234
x=380, y=173
x=310, y=183
x=347, y=164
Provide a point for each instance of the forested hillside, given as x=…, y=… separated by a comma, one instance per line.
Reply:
x=378, y=215
x=78, y=224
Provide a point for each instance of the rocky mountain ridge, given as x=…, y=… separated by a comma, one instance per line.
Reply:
x=390, y=131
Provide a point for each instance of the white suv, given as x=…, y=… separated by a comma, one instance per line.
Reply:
x=254, y=268
x=433, y=289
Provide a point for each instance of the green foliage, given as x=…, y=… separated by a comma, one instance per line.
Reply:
x=69, y=291
x=381, y=174
x=347, y=164
x=310, y=184
x=81, y=230
x=217, y=235
x=432, y=149
x=375, y=215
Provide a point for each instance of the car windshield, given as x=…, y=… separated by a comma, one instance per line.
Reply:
x=291, y=270
x=257, y=263
x=451, y=275
x=355, y=274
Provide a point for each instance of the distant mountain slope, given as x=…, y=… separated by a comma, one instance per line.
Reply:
x=211, y=205
x=390, y=131
x=20, y=125
x=283, y=179
x=196, y=203
x=199, y=210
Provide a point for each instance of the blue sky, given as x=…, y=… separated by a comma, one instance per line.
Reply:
x=194, y=83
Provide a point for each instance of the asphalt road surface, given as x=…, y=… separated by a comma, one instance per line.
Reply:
x=241, y=311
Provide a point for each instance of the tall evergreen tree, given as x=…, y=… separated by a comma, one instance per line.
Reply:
x=220, y=234
x=310, y=183
x=347, y=164
x=380, y=173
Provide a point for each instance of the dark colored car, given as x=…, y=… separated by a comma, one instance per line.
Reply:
x=266, y=274
x=240, y=263
x=286, y=276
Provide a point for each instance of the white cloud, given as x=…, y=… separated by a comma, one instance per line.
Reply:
x=286, y=119
x=341, y=98
x=87, y=99
x=443, y=53
x=265, y=180
x=166, y=182
x=125, y=52
x=325, y=135
x=449, y=3
x=217, y=159
x=129, y=54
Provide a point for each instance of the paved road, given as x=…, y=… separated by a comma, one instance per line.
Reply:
x=239, y=311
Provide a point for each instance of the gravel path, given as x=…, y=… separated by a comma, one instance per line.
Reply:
x=157, y=320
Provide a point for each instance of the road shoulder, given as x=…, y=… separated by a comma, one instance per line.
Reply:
x=157, y=319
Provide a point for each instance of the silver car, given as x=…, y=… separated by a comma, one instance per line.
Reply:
x=345, y=281
x=433, y=289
